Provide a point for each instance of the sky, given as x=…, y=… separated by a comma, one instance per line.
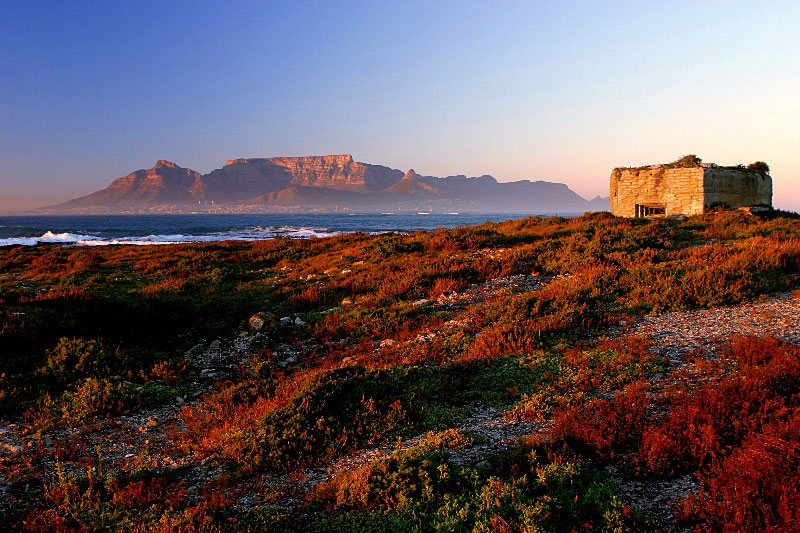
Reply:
x=561, y=91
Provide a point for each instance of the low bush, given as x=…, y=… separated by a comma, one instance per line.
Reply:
x=703, y=426
x=104, y=501
x=534, y=494
x=759, y=166
x=756, y=487
x=91, y=399
x=738, y=431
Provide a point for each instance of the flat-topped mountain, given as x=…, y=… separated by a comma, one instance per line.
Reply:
x=241, y=179
x=315, y=183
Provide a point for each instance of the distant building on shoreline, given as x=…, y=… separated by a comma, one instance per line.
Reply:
x=688, y=187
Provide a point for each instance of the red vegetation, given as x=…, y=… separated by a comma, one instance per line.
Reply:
x=607, y=425
x=739, y=430
x=757, y=487
x=88, y=334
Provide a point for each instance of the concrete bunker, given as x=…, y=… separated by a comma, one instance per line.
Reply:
x=688, y=187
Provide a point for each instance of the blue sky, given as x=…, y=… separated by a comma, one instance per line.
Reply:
x=562, y=91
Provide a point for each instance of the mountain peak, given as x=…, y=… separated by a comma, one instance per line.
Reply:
x=324, y=181
x=412, y=184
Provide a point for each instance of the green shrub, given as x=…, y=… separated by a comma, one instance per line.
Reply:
x=77, y=357
x=759, y=166
x=89, y=399
x=92, y=398
x=689, y=160
x=342, y=410
x=533, y=494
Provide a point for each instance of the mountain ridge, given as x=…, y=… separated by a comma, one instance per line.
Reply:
x=314, y=183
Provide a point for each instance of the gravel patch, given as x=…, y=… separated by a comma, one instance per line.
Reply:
x=680, y=332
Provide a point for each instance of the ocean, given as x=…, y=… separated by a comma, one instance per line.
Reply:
x=103, y=230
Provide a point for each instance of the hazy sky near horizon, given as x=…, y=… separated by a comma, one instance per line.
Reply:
x=561, y=91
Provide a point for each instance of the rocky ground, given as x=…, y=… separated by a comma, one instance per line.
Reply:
x=142, y=440
x=681, y=332
x=676, y=335
x=702, y=332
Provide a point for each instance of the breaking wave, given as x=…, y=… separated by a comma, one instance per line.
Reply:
x=155, y=229
x=249, y=234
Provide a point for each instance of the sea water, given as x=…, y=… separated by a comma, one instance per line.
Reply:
x=102, y=230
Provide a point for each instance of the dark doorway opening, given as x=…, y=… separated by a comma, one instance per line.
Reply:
x=650, y=210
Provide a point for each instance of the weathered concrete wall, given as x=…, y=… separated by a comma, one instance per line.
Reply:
x=687, y=191
x=680, y=190
x=736, y=188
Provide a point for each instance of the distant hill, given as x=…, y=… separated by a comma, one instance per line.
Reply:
x=318, y=183
x=166, y=182
x=413, y=185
